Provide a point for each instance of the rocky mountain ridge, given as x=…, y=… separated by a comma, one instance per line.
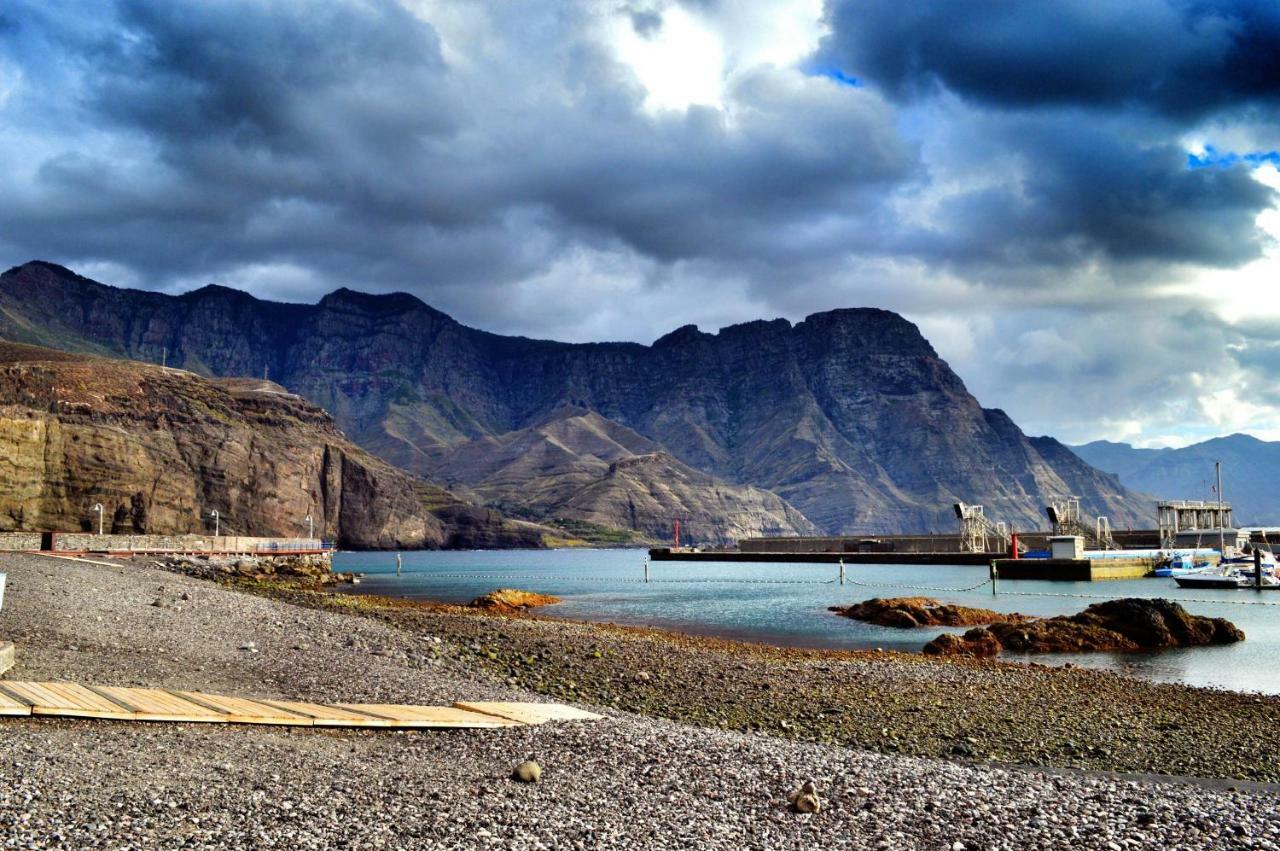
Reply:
x=582, y=466
x=160, y=448
x=1248, y=472
x=849, y=416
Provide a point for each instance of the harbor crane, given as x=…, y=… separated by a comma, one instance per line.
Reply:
x=977, y=530
x=1066, y=520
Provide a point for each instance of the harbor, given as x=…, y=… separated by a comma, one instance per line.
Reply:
x=1073, y=549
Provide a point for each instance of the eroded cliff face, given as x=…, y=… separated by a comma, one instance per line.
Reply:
x=849, y=416
x=161, y=448
x=580, y=466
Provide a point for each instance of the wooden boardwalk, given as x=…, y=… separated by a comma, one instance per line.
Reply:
x=74, y=700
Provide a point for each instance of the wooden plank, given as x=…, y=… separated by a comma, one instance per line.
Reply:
x=240, y=710
x=404, y=715
x=325, y=715
x=157, y=705
x=67, y=699
x=13, y=706
x=528, y=713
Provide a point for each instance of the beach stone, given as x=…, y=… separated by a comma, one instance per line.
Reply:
x=528, y=772
x=805, y=799
x=509, y=600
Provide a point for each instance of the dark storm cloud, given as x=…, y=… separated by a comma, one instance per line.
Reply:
x=1180, y=57
x=1087, y=190
x=339, y=139
x=498, y=159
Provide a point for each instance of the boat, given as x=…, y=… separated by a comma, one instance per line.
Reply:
x=1232, y=574
x=1245, y=562
x=1214, y=578
x=1180, y=564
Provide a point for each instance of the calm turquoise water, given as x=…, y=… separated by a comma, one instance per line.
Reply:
x=787, y=603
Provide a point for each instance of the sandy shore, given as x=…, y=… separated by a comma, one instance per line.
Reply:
x=627, y=782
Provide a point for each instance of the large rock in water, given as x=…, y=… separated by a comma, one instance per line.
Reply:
x=509, y=600
x=849, y=416
x=910, y=612
x=159, y=448
x=1114, y=626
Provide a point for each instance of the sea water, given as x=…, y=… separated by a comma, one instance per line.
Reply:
x=786, y=604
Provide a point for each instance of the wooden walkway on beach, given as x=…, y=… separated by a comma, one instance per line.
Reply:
x=153, y=704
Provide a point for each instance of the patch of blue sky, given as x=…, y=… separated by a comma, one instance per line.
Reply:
x=1211, y=157
x=833, y=73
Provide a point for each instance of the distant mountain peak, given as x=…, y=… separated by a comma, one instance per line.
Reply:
x=375, y=303
x=683, y=335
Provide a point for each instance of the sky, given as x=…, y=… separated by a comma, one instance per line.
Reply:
x=1078, y=202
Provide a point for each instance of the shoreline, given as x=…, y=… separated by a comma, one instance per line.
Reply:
x=701, y=751
x=995, y=712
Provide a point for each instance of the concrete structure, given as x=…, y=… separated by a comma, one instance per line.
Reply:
x=1073, y=569
x=6, y=647
x=865, y=544
x=1176, y=516
x=1066, y=547
x=81, y=542
x=818, y=557
x=19, y=541
x=87, y=542
x=1234, y=539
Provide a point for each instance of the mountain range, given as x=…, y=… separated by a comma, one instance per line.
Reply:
x=845, y=423
x=1248, y=470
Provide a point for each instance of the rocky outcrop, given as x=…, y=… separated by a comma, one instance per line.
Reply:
x=509, y=600
x=911, y=612
x=1114, y=626
x=160, y=449
x=850, y=416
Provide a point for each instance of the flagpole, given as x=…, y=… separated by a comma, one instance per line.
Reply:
x=1222, y=535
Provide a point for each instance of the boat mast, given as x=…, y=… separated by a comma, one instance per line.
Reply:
x=1222, y=535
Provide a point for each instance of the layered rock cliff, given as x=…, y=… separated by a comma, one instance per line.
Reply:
x=850, y=416
x=161, y=448
x=580, y=466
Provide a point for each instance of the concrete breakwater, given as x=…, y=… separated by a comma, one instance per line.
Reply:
x=83, y=542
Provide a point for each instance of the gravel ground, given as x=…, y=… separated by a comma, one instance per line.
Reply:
x=896, y=703
x=626, y=782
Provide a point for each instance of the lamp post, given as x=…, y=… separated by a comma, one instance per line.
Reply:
x=98, y=508
x=217, y=522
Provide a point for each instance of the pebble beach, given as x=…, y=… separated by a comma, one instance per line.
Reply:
x=703, y=743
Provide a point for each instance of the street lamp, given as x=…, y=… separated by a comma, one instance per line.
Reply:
x=98, y=508
x=217, y=522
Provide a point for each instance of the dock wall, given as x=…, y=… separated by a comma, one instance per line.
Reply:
x=940, y=543
x=668, y=554
x=83, y=542
x=19, y=541
x=1073, y=570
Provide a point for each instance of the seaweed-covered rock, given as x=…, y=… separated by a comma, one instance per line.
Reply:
x=1114, y=626
x=910, y=612
x=976, y=642
x=512, y=600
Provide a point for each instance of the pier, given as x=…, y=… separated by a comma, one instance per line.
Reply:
x=819, y=557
